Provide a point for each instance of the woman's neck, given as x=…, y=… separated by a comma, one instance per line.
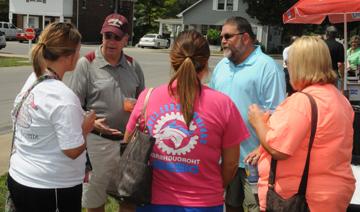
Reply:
x=57, y=69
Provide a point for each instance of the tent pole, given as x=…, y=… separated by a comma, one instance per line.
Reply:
x=345, y=48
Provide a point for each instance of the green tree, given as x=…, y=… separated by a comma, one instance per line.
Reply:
x=268, y=12
x=213, y=36
x=148, y=11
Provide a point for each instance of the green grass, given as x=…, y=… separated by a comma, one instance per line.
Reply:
x=13, y=61
x=111, y=204
x=3, y=190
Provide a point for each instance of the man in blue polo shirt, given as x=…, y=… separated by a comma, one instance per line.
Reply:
x=248, y=76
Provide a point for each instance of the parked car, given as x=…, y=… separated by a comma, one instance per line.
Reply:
x=9, y=29
x=20, y=36
x=154, y=41
x=2, y=40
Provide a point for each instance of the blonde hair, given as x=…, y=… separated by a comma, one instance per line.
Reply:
x=310, y=63
x=188, y=57
x=56, y=40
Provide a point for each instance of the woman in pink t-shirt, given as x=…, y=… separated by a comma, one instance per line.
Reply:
x=285, y=135
x=198, y=132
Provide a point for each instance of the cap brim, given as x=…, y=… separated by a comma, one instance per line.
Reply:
x=112, y=29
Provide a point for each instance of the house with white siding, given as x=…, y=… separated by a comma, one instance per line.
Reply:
x=205, y=14
x=87, y=15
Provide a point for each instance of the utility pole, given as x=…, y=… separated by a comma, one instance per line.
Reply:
x=77, y=14
x=116, y=6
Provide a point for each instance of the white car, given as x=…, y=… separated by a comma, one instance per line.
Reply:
x=153, y=40
x=2, y=40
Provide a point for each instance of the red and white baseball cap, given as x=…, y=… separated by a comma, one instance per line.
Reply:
x=116, y=24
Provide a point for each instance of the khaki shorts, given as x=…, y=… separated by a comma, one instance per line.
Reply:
x=104, y=157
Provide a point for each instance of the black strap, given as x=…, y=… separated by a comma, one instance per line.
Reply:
x=304, y=178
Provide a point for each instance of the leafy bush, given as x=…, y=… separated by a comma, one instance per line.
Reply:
x=213, y=36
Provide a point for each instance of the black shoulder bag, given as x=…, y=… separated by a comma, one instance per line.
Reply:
x=135, y=175
x=296, y=203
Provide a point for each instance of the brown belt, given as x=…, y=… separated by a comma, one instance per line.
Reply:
x=110, y=137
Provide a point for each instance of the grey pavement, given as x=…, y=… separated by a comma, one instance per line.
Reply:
x=5, y=145
x=5, y=139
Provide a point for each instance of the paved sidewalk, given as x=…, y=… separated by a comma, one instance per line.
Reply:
x=5, y=145
x=4, y=54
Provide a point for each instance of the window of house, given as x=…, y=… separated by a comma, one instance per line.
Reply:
x=221, y=5
x=43, y=1
x=225, y=5
x=83, y=4
x=229, y=5
x=204, y=29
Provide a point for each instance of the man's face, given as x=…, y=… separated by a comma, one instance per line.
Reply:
x=113, y=44
x=232, y=42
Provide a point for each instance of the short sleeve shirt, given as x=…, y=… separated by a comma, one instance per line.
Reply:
x=102, y=87
x=330, y=155
x=258, y=80
x=49, y=121
x=354, y=58
x=186, y=160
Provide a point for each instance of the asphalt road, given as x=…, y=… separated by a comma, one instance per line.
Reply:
x=155, y=64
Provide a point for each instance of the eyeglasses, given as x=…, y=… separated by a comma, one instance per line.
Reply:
x=112, y=36
x=229, y=36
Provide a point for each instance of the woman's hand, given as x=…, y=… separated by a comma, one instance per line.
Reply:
x=253, y=157
x=258, y=119
x=257, y=116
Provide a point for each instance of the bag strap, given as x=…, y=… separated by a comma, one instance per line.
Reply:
x=19, y=105
x=314, y=120
x=143, y=111
x=304, y=178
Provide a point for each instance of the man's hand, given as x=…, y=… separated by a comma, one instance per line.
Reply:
x=253, y=157
x=101, y=127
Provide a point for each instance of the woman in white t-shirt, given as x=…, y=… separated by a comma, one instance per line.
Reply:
x=48, y=159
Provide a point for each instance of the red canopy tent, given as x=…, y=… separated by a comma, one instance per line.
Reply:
x=315, y=12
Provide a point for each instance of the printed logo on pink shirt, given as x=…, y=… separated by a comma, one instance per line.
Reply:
x=175, y=140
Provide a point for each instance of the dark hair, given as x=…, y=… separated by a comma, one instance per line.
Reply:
x=57, y=39
x=189, y=56
x=242, y=25
x=331, y=32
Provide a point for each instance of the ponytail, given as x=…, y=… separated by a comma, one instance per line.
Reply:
x=187, y=87
x=56, y=40
x=37, y=57
x=189, y=56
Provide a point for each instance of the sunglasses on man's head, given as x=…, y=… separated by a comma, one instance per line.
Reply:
x=112, y=36
x=229, y=36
